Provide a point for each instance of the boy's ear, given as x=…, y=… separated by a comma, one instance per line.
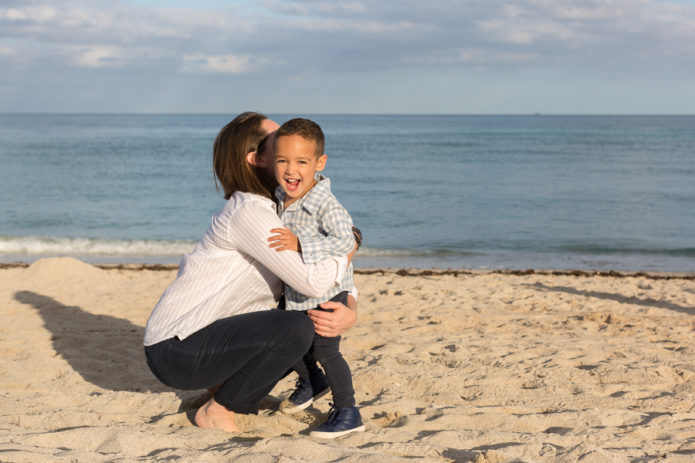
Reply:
x=321, y=163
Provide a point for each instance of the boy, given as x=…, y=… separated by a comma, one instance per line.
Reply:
x=317, y=226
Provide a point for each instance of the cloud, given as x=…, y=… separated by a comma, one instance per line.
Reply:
x=94, y=57
x=221, y=64
x=7, y=51
x=353, y=35
x=29, y=12
x=297, y=51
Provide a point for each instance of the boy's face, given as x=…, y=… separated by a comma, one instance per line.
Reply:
x=295, y=165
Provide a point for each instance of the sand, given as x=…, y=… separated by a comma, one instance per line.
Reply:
x=457, y=367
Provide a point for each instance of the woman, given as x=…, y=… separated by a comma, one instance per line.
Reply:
x=215, y=327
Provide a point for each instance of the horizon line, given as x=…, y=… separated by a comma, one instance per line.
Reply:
x=146, y=113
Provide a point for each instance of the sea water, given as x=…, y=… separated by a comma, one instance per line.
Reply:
x=468, y=192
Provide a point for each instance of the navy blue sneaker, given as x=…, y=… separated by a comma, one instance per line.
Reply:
x=305, y=393
x=341, y=421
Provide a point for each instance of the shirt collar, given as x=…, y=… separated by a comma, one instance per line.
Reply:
x=311, y=201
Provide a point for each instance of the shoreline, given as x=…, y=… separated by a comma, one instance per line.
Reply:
x=417, y=271
x=645, y=261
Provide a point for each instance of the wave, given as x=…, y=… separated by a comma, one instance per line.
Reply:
x=38, y=245
x=588, y=256
x=590, y=249
x=377, y=252
x=45, y=245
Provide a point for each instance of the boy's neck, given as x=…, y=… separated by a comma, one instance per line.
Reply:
x=289, y=201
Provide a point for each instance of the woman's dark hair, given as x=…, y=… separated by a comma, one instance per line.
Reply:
x=240, y=137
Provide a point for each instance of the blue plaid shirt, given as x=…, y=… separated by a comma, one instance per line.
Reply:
x=324, y=229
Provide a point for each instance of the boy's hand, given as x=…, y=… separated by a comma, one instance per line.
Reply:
x=284, y=240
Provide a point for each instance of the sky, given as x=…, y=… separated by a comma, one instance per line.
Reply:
x=347, y=57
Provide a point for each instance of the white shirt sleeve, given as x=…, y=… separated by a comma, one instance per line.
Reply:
x=249, y=231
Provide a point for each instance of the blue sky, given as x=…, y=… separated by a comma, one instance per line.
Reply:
x=343, y=56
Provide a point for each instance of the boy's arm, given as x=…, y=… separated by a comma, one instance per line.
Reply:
x=339, y=239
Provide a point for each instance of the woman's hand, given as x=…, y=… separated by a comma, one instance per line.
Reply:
x=358, y=242
x=330, y=324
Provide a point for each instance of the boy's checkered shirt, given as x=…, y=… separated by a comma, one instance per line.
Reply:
x=324, y=229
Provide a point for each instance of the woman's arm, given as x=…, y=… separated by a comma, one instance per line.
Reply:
x=250, y=229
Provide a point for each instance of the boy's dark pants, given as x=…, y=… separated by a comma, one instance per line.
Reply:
x=327, y=352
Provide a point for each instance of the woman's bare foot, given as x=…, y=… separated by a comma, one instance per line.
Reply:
x=215, y=416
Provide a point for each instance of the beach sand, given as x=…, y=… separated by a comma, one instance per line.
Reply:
x=447, y=366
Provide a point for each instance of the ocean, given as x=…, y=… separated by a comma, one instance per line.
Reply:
x=459, y=192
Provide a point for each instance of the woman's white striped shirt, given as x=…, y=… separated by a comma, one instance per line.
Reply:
x=232, y=271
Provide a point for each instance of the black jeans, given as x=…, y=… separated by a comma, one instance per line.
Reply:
x=327, y=352
x=247, y=354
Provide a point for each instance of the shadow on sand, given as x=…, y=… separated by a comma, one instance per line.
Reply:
x=106, y=351
x=618, y=298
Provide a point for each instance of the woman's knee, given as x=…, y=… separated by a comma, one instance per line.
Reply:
x=299, y=330
x=307, y=332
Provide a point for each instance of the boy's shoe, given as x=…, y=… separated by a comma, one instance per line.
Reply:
x=341, y=421
x=305, y=393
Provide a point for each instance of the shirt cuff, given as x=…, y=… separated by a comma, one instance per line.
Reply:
x=342, y=262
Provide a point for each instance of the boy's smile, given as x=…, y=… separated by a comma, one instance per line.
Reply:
x=295, y=165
